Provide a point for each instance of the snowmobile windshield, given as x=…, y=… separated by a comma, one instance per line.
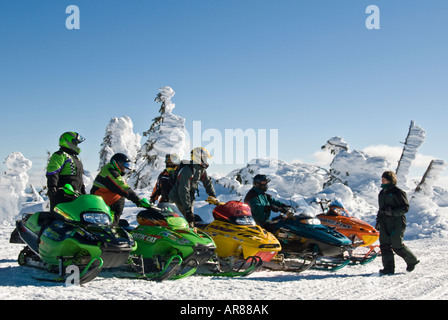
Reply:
x=99, y=218
x=341, y=211
x=245, y=221
x=169, y=209
x=337, y=203
x=312, y=221
x=338, y=208
x=308, y=218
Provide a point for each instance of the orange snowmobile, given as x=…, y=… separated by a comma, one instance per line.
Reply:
x=359, y=232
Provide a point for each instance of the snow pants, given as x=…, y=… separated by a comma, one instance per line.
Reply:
x=391, y=240
x=117, y=209
x=186, y=212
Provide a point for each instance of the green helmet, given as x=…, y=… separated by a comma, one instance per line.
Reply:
x=70, y=140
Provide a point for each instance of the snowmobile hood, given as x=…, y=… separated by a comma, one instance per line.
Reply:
x=360, y=232
x=153, y=235
x=252, y=239
x=86, y=208
x=315, y=231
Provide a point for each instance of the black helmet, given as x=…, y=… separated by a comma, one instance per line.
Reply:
x=121, y=162
x=261, y=182
x=171, y=160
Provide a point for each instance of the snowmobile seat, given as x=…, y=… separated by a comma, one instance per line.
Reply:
x=44, y=218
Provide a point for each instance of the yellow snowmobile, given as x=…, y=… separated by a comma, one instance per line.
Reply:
x=239, y=240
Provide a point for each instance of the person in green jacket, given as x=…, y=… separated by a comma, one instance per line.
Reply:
x=187, y=183
x=65, y=167
x=111, y=186
x=391, y=223
x=261, y=203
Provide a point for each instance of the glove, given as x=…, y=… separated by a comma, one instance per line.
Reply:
x=377, y=226
x=144, y=203
x=214, y=200
x=51, y=193
x=290, y=214
x=285, y=209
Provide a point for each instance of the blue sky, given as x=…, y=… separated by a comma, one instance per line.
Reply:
x=310, y=69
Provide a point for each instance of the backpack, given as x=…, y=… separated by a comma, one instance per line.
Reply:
x=175, y=174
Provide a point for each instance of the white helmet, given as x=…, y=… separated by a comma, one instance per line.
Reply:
x=200, y=156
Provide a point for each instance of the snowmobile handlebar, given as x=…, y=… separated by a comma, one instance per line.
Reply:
x=322, y=202
x=68, y=189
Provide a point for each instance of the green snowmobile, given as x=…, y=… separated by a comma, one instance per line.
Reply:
x=167, y=248
x=79, y=234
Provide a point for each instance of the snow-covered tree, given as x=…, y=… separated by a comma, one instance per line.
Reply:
x=13, y=183
x=335, y=145
x=119, y=137
x=166, y=135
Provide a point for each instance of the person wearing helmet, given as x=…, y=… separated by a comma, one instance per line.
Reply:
x=261, y=203
x=166, y=179
x=187, y=183
x=65, y=167
x=111, y=186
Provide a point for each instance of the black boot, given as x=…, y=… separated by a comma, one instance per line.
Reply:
x=411, y=266
x=388, y=263
x=385, y=272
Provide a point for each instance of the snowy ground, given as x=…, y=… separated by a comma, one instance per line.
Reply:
x=428, y=281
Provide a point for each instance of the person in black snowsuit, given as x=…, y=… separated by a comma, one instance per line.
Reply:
x=391, y=223
x=187, y=183
x=165, y=180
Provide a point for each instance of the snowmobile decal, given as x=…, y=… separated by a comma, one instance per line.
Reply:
x=334, y=223
x=145, y=238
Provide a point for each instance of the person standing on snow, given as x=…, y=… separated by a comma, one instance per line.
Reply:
x=65, y=167
x=111, y=186
x=187, y=183
x=165, y=180
x=261, y=203
x=391, y=223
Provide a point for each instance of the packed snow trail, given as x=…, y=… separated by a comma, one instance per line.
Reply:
x=428, y=281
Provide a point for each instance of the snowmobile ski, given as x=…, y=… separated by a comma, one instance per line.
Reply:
x=168, y=271
x=246, y=267
x=330, y=264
